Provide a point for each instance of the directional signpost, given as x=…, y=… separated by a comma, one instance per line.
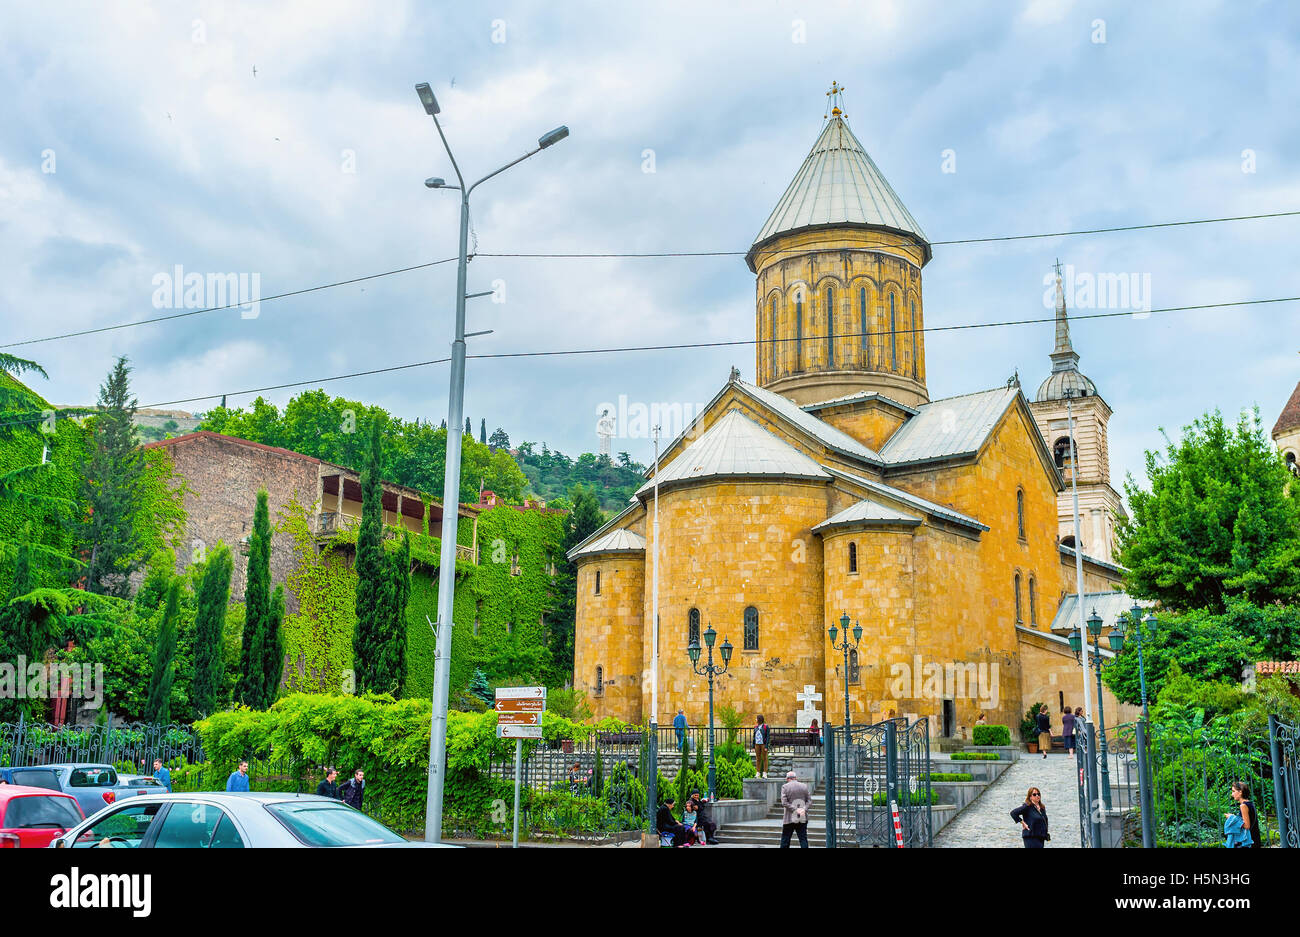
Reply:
x=519, y=716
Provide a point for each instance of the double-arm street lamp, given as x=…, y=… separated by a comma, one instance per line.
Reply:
x=710, y=670
x=1134, y=630
x=451, y=484
x=1116, y=640
x=845, y=646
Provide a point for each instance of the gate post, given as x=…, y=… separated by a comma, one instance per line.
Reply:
x=1280, y=806
x=650, y=751
x=891, y=761
x=1094, y=802
x=1144, y=788
x=830, y=787
x=108, y=740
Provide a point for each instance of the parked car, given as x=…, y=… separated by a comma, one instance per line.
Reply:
x=93, y=785
x=32, y=816
x=229, y=821
x=141, y=784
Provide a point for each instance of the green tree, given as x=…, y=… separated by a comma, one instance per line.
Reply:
x=273, y=649
x=209, y=624
x=395, y=624
x=1216, y=524
x=499, y=439
x=482, y=431
x=22, y=628
x=158, y=708
x=113, y=473
x=478, y=686
x=469, y=428
x=374, y=580
x=252, y=690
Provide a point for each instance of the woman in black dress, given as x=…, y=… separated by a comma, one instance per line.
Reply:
x=1032, y=817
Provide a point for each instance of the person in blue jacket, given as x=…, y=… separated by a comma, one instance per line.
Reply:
x=238, y=781
x=1032, y=817
x=679, y=726
x=162, y=775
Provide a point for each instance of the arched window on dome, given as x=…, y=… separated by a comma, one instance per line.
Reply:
x=798, y=332
x=862, y=326
x=751, y=629
x=893, y=336
x=773, y=353
x=693, y=626
x=1020, y=512
x=916, y=338
x=830, y=327
x=1019, y=614
x=853, y=557
x=1033, y=601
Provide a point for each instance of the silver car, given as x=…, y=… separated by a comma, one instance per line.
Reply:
x=228, y=821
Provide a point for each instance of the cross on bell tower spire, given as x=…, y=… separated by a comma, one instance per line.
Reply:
x=834, y=98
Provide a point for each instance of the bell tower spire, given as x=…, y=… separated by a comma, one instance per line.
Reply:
x=1064, y=357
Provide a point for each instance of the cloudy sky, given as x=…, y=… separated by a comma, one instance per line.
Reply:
x=138, y=138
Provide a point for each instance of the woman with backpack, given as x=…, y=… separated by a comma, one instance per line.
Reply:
x=762, y=731
x=1032, y=817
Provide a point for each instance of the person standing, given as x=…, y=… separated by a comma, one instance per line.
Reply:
x=238, y=780
x=1067, y=730
x=704, y=821
x=1249, y=818
x=1032, y=817
x=796, y=801
x=679, y=727
x=815, y=735
x=761, y=733
x=328, y=787
x=1044, y=721
x=162, y=775
x=355, y=789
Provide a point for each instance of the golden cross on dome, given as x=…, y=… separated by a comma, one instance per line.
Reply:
x=835, y=97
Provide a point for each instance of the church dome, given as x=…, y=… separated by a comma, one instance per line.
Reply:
x=1058, y=382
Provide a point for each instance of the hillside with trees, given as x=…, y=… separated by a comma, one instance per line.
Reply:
x=552, y=474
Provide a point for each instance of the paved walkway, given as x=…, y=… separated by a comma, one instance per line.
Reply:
x=987, y=822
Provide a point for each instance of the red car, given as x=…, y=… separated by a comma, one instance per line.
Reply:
x=32, y=816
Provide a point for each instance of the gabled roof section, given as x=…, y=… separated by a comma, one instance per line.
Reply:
x=736, y=446
x=868, y=513
x=955, y=426
x=1289, y=419
x=247, y=443
x=1109, y=605
x=820, y=430
x=621, y=540
x=859, y=397
x=838, y=185
x=906, y=497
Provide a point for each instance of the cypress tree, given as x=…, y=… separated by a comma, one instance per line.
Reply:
x=257, y=607
x=112, y=474
x=399, y=593
x=373, y=577
x=158, y=707
x=482, y=431
x=209, y=621
x=273, y=649
x=469, y=427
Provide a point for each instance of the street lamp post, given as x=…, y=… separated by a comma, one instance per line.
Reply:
x=710, y=670
x=1077, y=644
x=1135, y=628
x=451, y=483
x=845, y=646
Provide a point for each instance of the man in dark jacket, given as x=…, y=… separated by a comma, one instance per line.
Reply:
x=355, y=789
x=1043, y=723
x=328, y=788
x=704, y=818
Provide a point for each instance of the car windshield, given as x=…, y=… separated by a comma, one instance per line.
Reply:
x=37, y=777
x=93, y=777
x=316, y=823
x=41, y=811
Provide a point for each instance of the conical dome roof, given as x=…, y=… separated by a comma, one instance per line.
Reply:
x=838, y=184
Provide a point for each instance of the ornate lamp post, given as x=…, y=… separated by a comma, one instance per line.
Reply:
x=845, y=647
x=1116, y=640
x=1135, y=623
x=710, y=670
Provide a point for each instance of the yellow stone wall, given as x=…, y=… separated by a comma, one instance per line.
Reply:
x=794, y=274
x=728, y=545
x=1095, y=578
x=608, y=633
x=870, y=422
x=1052, y=672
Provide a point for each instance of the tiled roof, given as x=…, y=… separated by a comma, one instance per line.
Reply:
x=839, y=184
x=616, y=541
x=820, y=430
x=867, y=513
x=951, y=427
x=1289, y=418
x=1277, y=666
x=736, y=445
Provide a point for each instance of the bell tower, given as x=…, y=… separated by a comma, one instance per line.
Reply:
x=839, y=279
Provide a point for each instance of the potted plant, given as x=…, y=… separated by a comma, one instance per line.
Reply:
x=1029, y=728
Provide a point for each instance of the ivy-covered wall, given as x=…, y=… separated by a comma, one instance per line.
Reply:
x=508, y=606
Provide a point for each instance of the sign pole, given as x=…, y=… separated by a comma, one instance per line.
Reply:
x=519, y=758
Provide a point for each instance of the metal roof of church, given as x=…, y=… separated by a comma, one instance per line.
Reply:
x=736, y=445
x=898, y=494
x=861, y=395
x=951, y=427
x=1108, y=605
x=868, y=512
x=818, y=429
x=616, y=541
x=839, y=184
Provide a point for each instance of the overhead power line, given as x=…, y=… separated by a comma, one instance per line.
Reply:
x=679, y=346
x=625, y=255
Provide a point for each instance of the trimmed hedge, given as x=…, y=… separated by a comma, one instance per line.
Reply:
x=975, y=756
x=992, y=735
x=881, y=798
x=950, y=776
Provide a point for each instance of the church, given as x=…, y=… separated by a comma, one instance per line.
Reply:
x=832, y=484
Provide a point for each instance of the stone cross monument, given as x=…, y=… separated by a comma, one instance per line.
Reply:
x=803, y=718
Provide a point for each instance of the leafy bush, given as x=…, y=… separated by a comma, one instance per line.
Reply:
x=1028, y=725
x=950, y=776
x=624, y=792
x=881, y=798
x=974, y=756
x=732, y=720
x=992, y=735
x=731, y=751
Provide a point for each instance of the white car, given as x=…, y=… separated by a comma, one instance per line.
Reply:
x=229, y=821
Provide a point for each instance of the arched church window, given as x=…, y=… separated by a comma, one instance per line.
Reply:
x=1291, y=464
x=916, y=337
x=1033, y=601
x=1020, y=512
x=772, y=355
x=830, y=327
x=597, y=582
x=862, y=326
x=855, y=672
x=853, y=557
x=693, y=626
x=1068, y=541
x=1061, y=453
x=1019, y=616
x=751, y=629
x=893, y=336
x=798, y=332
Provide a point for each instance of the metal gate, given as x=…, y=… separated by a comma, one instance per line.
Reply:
x=869, y=769
x=1284, y=753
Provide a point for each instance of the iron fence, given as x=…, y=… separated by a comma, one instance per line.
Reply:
x=130, y=745
x=782, y=740
x=870, y=769
x=1284, y=754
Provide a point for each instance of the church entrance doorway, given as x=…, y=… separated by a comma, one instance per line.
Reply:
x=949, y=718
